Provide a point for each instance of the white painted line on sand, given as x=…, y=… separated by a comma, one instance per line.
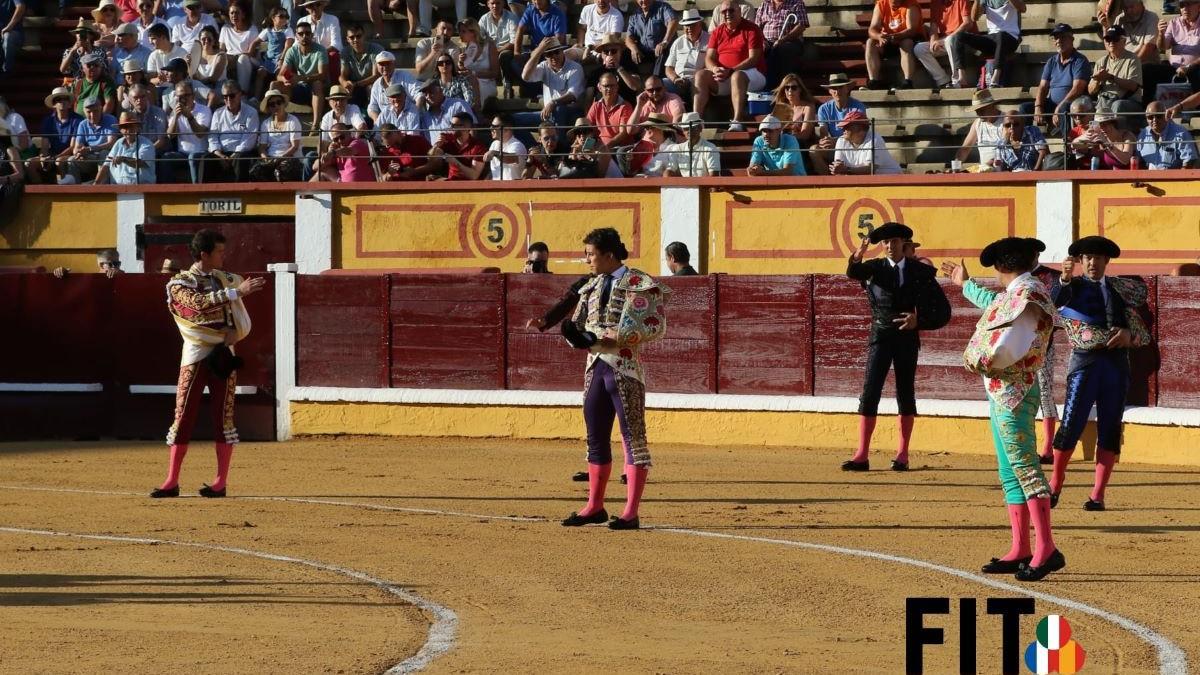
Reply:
x=442, y=631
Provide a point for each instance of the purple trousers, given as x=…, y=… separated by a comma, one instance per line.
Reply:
x=601, y=403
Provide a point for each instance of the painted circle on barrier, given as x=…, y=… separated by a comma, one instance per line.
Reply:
x=495, y=231
x=858, y=219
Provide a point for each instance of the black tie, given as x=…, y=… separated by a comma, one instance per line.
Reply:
x=1108, y=306
x=605, y=291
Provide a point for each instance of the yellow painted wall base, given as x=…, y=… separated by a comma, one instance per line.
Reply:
x=1143, y=443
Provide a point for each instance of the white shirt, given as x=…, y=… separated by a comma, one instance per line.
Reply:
x=660, y=161
x=512, y=171
x=143, y=30
x=184, y=35
x=424, y=47
x=1014, y=343
x=278, y=137
x=502, y=30
x=555, y=84
x=685, y=56
x=597, y=24
x=702, y=156
x=158, y=60
x=238, y=133
x=407, y=120
x=16, y=123
x=1005, y=19
x=327, y=31
x=188, y=141
x=855, y=156
x=988, y=136
x=234, y=42
x=352, y=117
x=378, y=102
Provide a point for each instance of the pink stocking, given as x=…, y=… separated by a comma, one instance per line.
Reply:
x=1105, y=459
x=1018, y=518
x=906, y=429
x=633, y=490
x=224, y=457
x=866, y=427
x=178, y=452
x=1061, y=459
x=1039, y=513
x=597, y=482
x=1048, y=425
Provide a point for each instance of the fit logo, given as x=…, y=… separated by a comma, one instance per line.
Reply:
x=1054, y=651
x=917, y=634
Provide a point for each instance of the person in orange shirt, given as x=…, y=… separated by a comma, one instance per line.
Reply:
x=895, y=25
x=947, y=20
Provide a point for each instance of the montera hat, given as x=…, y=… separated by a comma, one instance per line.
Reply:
x=890, y=231
x=1095, y=245
x=1009, y=246
x=579, y=339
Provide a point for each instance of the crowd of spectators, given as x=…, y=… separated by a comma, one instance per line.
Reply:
x=195, y=91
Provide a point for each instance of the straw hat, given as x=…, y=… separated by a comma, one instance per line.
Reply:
x=689, y=17
x=582, y=125
x=837, y=80
x=128, y=119
x=266, y=100
x=337, y=91
x=59, y=92
x=100, y=8
x=982, y=99
x=611, y=40
x=553, y=47
x=84, y=26
x=131, y=66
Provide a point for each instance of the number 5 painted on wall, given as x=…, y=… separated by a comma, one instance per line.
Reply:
x=865, y=223
x=495, y=230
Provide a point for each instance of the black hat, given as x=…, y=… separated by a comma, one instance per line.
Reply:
x=579, y=339
x=1095, y=245
x=1023, y=246
x=1114, y=32
x=889, y=231
x=1061, y=28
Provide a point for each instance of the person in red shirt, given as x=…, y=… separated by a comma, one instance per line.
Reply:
x=947, y=20
x=733, y=64
x=895, y=25
x=611, y=114
x=462, y=152
x=404, y=156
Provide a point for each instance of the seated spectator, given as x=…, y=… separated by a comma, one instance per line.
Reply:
x=131, y=159
x=1003, y=18
x=425, y=8
x=696, y=157
x=128, y=49
x=305, y=65
x=749, y=13
x=399, y=112
x=587, y=154
x=896, y=26
x=478, y=59
x=500, y=27
x=279, y=38
x=347, y=159
x=108, y=263
x=783, y=23
x=562, y=86
x=54, y=138
x=546, y=158
x=12, y=35
x=860, y=150
x=185, y=30
x=1140, y=24
x=18, y=129
x=506, y=155
x=327, y=30
x=154, y=126
x=540, y=21
x=12, y=168
x=1181, y=37
x=687, y=54
x=795, y=106
x=279, y=136
x=188, y=126
x=1023, y=148
x=344, y=112
x=173, y=73
x=94, y=136
x=210, y=68
x=457, y=84
x=986, y=131
x=106, y=18
x=461, y=151
x=131, y=76
x=775, y=153
x=144, y=20
x=431, y=48
x=650, y=30
x=948, y=20
x=655, y=99
x=95, y=84
x=679, y=259
x=651, y=156
x=238, y=40
x=438, y=110
x=610, y=114
x=1064, y=78
x=385, y=65
x=1163, y=144
x=233, y=137
x=1116, y=81
x=404, y=156
x=164, y=52
x=733, y=64
x=596, y=20
x=1078, y=151
x=85, y=44
x=1109, y=143
x=830, y=113
x=613, y=58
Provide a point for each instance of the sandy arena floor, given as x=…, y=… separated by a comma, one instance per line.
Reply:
x=717, y=583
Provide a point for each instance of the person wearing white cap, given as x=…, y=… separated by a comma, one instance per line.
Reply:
x=327, y=30
x=695, y=157
x=775, y=153
x=686, y=55
x=54, y=137
x=385, y=66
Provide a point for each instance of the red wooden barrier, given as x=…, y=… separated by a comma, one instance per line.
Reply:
x=539, y=360
x=1144, y=363
x=342, y=331
x=57, y=330
x=1178, y=326
x=764, y=334
x=448, y=331
x=685, y=359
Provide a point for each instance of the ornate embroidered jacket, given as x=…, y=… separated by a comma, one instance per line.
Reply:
x=636, y=312
x=205, y=305
x=1007, y=386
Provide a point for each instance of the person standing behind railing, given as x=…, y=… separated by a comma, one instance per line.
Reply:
x=1163, y=144
x=12, y=34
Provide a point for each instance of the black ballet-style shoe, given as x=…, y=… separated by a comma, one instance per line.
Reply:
x=207, y=491
x=998, y=566
x=162, y=493
x=1054, y=499
x=851, y=465
x=1044, y=459
x=1093, y=505
x=618, y=524
x=897, y=465
x=580, y=477
x=575, y=520
x=1054, y=563
x=624, y=479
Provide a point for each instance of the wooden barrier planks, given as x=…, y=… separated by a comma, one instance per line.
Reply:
x=342, y=331
x=685, y=359
x=764, y=334
x=539, y=360
x=447, y=331
x=1178, y=325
